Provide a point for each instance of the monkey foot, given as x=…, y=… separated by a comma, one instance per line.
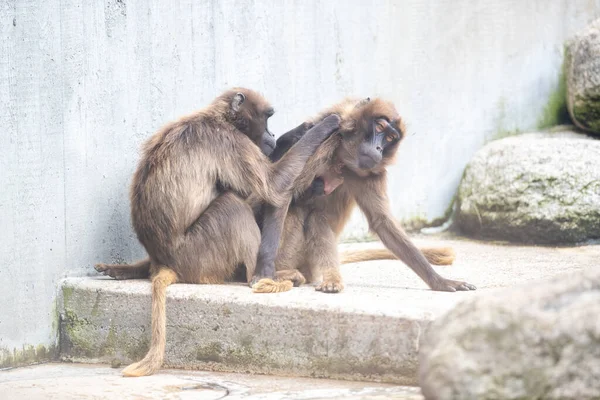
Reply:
x=267, y=285
x=448, y=285
x=116, y=272
x=330, y=287
x=290, y=275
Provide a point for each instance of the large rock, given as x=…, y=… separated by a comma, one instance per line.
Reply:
x=582, y=68
x=532, y=342
x=534, y=188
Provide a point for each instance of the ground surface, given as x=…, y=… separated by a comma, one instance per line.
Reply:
x=84, y=381
x=369, y=332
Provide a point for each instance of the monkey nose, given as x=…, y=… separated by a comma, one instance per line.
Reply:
x=379, y=149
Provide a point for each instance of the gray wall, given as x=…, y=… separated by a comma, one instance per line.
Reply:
x=83, y=83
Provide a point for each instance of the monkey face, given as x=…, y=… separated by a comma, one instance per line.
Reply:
x=373, y=145
x=268, y=143
x=251, y=114
x=381, y=137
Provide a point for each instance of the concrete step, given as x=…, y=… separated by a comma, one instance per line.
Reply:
x=368, y=332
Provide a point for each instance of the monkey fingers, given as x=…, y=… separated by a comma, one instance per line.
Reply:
x=330, y=287
x=448, y=285
x=139, y=270
x=332, y=282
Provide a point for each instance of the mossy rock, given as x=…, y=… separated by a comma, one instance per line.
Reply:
x=540, y=188
x=582, y=68
x=534, y=341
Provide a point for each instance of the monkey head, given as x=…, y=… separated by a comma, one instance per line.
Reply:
x=370, y=137
x=249, y=112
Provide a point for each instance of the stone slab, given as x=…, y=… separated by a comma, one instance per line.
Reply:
x=369, y=332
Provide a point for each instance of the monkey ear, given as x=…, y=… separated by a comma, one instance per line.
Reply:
x=237, y=101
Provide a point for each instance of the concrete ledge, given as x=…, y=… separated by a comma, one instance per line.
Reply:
x=227, y=328
x=371, y=331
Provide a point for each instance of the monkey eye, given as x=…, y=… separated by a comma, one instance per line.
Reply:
x=389, y=138
x=380, y=125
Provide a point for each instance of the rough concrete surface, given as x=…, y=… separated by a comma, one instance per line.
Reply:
x=83, y=83
x=533, y=188
x=370, y=331
x=528, y=342
x=76, y=382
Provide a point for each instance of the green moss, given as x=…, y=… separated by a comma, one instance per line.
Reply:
x=383, y=368
x=211, y=352
x=249, y=356
x=55, y=318
x=556, y=112
x=26, y=355
x=76, y=332
x=243, y=355
x=67, y=293
x=501, y=134
x=587, y=113
x=95, y=307
x=136, y=350
x=447, y=214
x=81, y=338
x=110, y=345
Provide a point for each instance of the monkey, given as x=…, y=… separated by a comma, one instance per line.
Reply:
x=192, y=198
x=365, y=144
x=329, y=181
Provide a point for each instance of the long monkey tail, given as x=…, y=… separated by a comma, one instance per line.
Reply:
x=154, y=359
x=267, y=285
x=435, y=255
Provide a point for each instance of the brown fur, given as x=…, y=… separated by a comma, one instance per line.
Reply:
x=154, y=359
x=435, y=256
x=192, y=199
x=314, y=223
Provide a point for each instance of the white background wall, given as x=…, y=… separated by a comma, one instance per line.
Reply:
x=83, y=83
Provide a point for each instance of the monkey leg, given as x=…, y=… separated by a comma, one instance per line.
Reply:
x=137, y=270
x=322, y=255
x=224, y=236
x=288, y=255
x=272, y=226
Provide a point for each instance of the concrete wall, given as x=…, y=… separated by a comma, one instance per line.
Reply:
x=83, y=83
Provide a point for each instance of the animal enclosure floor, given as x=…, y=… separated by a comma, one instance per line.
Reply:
x=85, y=381
x=369, y=332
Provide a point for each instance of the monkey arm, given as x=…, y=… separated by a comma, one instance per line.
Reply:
x=288, y=139
x=273, y=219
x=371, y=197
x=314, y=164
x=273, y=215
x=285, y=172
x=249, y=173
x=318, y=164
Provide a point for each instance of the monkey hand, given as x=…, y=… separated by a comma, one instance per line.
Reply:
x=448, y=285
x=325, y=128
x=332, y=283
